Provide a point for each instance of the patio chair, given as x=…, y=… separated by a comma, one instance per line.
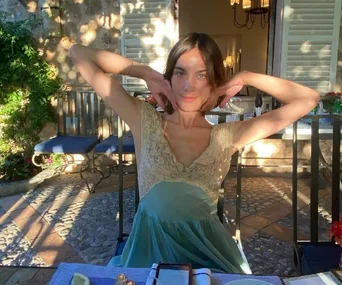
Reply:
x=76, y=128
x=120, y=144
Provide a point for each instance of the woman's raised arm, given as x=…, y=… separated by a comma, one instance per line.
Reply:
x=93, y=65
x=297, y=101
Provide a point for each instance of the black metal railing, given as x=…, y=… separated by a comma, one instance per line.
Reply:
x=328, y=131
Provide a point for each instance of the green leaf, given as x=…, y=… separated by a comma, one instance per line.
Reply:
x=26, y=87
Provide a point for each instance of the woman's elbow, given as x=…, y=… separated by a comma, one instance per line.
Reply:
x=315, y=97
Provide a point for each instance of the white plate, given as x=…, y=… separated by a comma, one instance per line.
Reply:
x=248, y=282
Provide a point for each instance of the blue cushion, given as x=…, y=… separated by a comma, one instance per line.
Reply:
x=111, y=145
x=67, y=145
x=316, y=258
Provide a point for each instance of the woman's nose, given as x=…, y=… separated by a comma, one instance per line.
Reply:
x=189, y=84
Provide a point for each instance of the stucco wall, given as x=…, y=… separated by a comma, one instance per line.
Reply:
x=89, y=22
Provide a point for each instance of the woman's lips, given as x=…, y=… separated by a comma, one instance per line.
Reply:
x=188, y=99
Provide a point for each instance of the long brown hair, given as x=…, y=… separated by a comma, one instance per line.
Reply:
x=211, y=56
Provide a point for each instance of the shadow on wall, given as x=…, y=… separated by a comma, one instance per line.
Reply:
x=56, y=25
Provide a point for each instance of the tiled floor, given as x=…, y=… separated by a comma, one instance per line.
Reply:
x=267, y=204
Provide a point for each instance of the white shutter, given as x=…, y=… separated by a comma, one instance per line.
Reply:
x=147, y=34
x=310, y=42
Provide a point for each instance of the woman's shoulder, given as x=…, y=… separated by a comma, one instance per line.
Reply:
x=149, y=110
x=225, y=132
x=150, y=116
x=228, y=127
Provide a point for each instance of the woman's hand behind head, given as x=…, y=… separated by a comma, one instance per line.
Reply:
x=158, y=85
x=231, y=88
x=222, y=95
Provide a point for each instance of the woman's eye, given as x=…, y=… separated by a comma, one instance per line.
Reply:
x=200, y=76
x=179, y=73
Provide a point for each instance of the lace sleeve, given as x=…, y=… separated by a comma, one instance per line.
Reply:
x=149, y=123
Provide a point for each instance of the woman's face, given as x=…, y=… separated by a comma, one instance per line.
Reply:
x=189, y=81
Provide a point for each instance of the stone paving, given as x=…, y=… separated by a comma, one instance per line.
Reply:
x=60, y=221
x=324, y=218
x=15, y=249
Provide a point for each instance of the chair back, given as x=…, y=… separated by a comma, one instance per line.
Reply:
x=79, y=111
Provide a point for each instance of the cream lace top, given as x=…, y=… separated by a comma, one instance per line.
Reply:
x=158, y=163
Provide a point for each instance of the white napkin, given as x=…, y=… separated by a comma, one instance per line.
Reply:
x=199, y=276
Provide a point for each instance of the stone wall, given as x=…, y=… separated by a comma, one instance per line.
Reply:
x=89, y=22
x=58, y=24
x=272, y=156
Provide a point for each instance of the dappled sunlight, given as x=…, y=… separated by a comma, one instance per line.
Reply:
x=323, y=85
x=324, y=52
x=309, y=39
x=275, y=188
x=98, y=25
x=262, y=150
x=74, y=161
x=303, y=198
x=88, y=37
x=88, y=32
x=31, y=239
x=287, y=200
x=316, y=72
x=32, y=6
x=298, y=71
x=328, y=216
x=78, y=21
x=288, y=11
x=128, y=8
x=306, y=47
x=148, y=34
x=108, y=22
x=72, y=74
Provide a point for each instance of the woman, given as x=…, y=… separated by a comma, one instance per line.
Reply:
x=182, y=159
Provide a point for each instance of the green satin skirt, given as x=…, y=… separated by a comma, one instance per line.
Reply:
x=177, y=223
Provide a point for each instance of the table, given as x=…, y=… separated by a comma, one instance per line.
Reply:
x=66, y=271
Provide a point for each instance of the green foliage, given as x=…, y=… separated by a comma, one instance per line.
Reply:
x=16, y=167
x=329, y=102
x=54, y=160
x=27, y=84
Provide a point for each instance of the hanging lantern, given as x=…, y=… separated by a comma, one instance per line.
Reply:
x=252, y=9
x=265, y=3
x=246, y=4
